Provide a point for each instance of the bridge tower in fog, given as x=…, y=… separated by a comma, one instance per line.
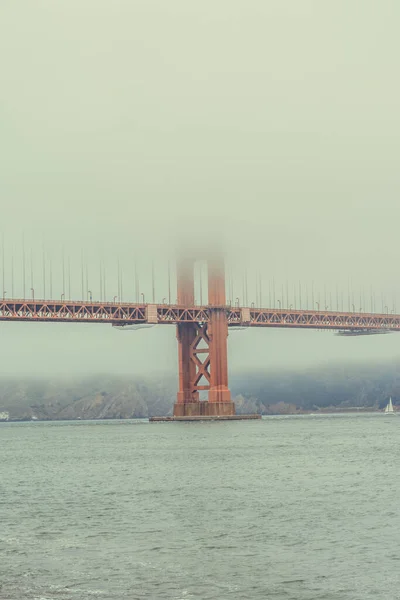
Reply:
x=202, y=347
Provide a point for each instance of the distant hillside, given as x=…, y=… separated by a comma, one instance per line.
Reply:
x=101, y=397
x=109, y=397
x=343, y=386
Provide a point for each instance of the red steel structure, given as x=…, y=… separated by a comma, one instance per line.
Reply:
x=203, y=353
x=202, y=331
x=126, y=313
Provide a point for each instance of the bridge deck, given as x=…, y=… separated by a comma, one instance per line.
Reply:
x=123, y=314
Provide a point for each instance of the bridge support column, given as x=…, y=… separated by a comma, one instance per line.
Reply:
x=219, y=396
x=202, y=348
x=186, y=334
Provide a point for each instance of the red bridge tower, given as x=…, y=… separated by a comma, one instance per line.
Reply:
x=203, y=358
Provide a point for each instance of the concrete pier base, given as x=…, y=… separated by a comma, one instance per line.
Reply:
x=206, y=418
x=204, y=409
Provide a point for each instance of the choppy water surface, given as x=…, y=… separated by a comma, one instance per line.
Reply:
x=284, y=508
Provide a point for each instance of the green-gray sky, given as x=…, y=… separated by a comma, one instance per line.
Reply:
x=121, y=120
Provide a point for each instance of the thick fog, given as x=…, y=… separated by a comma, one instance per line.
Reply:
x=129, y=127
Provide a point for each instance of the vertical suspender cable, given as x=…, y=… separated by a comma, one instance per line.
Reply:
x=69, y=278
x=118, y=281
x=51, y=278
x=63, y=272
x=104, y=282
x=169, y=283
x=153, y=282
x=201, y=284
x=23, y=267
x=101, y=280
x=44, y=274
x=87, y=276
x=82, y=276
x=12, y=274
x=3, y=263
x=32, y=288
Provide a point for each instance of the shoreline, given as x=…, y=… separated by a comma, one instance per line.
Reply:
x=331, y=411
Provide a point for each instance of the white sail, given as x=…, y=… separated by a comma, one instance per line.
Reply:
x=389, y=407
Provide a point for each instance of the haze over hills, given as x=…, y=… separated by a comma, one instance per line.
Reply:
x=283, y=392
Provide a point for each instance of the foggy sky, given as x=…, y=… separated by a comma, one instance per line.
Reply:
x=272, y=124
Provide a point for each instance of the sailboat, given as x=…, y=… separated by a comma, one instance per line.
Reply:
x=389, y=408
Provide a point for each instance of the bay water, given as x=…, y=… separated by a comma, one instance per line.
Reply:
x=286, y=508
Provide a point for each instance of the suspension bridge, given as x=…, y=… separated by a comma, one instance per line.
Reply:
x=202, y=330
